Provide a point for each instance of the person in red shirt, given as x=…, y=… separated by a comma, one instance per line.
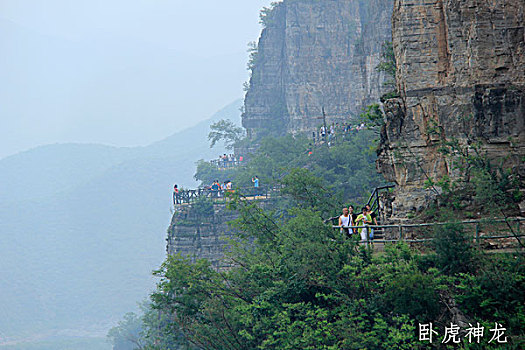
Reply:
x=176, y=195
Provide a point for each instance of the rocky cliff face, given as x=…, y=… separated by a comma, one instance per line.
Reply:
x=198, y=233
x=461, y=72
x=313, y=54
x=201, y=236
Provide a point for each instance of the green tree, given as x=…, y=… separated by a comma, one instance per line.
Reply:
x=266, y=14
x=297, y=284
x=127, y=335
x=454, y=249
x=483, y=183
x=388, y=66
x=346, y=169
x=227, y=131
x=388, y=60
x=253, y=53
x=373, y=117
x=494, y=293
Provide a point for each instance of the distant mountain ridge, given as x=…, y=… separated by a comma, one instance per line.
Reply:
x=133, y=83
x=60, y=167
x=83, y=226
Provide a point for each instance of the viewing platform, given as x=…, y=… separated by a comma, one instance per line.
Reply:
x=185, y=197
x=489, y=234
x=227, y=164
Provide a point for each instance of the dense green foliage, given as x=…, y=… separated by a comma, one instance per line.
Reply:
x=347, y=168
x=388, y=61
x=484, y=185
x=299, y=284
x=388, y=66
x=455, y=253
x=373, y=117
x=153, y=329
x=266, y=16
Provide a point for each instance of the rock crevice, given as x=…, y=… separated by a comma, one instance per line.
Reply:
x=461, y=75
x=315, y=54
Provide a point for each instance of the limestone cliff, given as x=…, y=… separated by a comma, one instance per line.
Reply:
x=203, y=231
x=461, y=71
x=198, y=236
x=312, y=54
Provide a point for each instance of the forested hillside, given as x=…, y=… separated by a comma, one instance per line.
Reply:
x=298, y=283
x=448, y=134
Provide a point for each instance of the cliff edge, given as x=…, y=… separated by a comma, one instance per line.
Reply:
x=461, y=76
x=314, y=54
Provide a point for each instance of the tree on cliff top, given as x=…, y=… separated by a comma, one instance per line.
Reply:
x=265, y=16
x=227, y=131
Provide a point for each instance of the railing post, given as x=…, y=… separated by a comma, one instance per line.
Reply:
x=477, y=234
x=400, y=232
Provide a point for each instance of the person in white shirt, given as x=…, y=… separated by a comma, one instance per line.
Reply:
x=345, y=220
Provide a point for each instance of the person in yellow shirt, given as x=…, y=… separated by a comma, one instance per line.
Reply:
x=362, y=220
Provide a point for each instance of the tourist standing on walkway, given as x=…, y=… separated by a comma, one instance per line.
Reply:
x=345, y=220
x=331, y=133
x=215, y=187
x=354, y=217
x=176, y=194
x=373, y=216
x=362, y=220
x=255, y=181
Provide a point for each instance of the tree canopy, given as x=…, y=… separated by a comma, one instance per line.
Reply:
x=299, y=284
x=227, y=131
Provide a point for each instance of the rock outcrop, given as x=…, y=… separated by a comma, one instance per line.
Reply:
x=315, y=54
x=203, y=231
x=461, y=75
x=197, y=236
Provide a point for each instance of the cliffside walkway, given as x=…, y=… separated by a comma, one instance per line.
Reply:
x=227, y=164
x=186, y=197
x=375, y=206
x=496, y=234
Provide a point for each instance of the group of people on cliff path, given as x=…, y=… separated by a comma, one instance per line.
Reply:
x=216, y=189
x=354, y=225
x=229, y=159
x=328, y=133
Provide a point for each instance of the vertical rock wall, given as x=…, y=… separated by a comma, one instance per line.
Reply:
x=461, y=75
x=313, y=54
x=201, y=237
x=197, y=235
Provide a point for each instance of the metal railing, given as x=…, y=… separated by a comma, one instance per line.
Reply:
x=373, y=201
x=250, y=193
x=340, y=136
x=227, y=164
x=406, y=232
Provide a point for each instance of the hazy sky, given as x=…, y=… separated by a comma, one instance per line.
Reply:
x=119, y=72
